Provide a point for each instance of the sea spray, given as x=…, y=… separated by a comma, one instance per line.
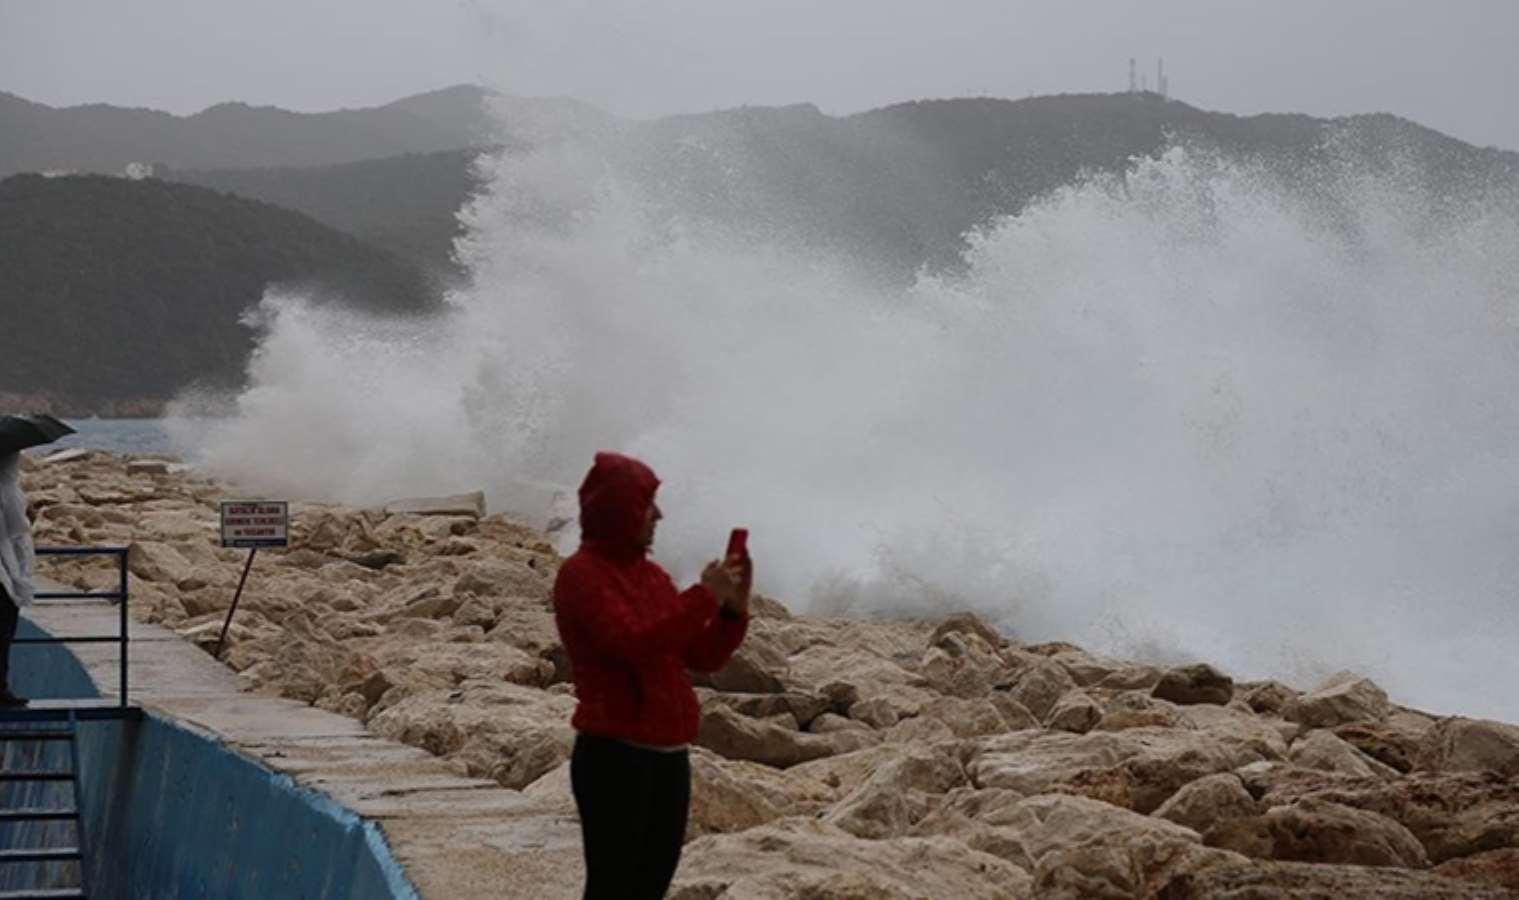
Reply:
x=1200, y=410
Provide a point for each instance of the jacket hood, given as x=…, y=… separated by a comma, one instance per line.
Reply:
x=614, y=502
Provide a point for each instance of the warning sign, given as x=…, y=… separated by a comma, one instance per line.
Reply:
x=255, y=523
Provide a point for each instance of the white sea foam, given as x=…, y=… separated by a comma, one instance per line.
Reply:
x=1187, y=413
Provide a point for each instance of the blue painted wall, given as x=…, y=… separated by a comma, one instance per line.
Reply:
x=173, y=814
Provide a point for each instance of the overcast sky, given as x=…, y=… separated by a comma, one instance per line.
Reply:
x=1450, y=64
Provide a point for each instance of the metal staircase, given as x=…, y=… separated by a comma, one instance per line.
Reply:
x=32, y=774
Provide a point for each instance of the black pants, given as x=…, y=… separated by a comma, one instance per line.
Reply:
x=633, y=805
x=10, y=617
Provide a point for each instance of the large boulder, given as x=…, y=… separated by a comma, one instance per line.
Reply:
x=736, y=736
x=1321, y=749
x=1137, y=709
x=967, y=623
x=505, y=732
x=1046, y=823
x=757, y=667
x=1200, y=683
x=803, y=707
x=962, y=665
x=897, y=794
x=1452, y=815
x=1216, y=874
x=1137, y=768
x=1470, y=745
x=471, y=505
x=1394, y=742
x=158, y=562
x=1321, y=831
x=965, y=718
x=1207, y=801
x=803, y=859
x=1040, y=686
x=1076, y=712
x=1343, y=698
x=1493, y=868
x=871, y=676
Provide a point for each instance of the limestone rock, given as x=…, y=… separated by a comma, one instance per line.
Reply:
x=505, y=732
x=1494, y=868
x=1207, y=801
x=1137, y=709
x=1344, y=698
x=877, y=713
x=1046, y=828
x=803, y=708
x=1266, y=696
x=965, y=718
x=1015, y=714
x=1132, y=678
x=148, y=467
x=828, y=722
x=73, y=454
x=1211, y=875
x=736, y=736
x=800, y=859
x=966, y=623
x=841, y=696
x=471, y=505
x=1040, y=686
x=1138, y=768
x=1321, y=749
x=1075, y=712
x=1200, y=683
x=962, y=665
x=1470, y=745
x=1321, y=831
x=896, y=794
x=1394, y=742
x=157, y=562
x=756, y=668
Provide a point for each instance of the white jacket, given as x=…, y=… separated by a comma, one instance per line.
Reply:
x=16, y=553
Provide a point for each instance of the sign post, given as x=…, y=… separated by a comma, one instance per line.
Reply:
x=252, y=524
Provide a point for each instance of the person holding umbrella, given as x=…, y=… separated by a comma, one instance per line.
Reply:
x=631, y=636
x=16, y=553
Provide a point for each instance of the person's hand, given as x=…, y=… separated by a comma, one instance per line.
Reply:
x=722, y=581
x=742, y=570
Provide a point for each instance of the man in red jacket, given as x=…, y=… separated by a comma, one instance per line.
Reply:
x=631, y=637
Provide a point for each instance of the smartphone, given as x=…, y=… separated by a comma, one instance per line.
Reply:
x=738, y=544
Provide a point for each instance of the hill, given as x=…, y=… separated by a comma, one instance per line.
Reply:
x=403, y=204
x=104, y=139
x=896, y=188
x=119, y=293
x=900, y=187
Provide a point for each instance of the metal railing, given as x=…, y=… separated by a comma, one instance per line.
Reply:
x=120, y=594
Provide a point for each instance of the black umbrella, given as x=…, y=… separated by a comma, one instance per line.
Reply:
x=20, y=432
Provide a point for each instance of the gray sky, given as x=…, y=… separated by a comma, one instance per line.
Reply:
x=1450, y=64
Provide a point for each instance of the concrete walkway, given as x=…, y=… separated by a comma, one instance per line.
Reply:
x=457, y=838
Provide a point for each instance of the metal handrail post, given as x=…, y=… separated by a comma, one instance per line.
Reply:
x=123, y=584
x=121, y=559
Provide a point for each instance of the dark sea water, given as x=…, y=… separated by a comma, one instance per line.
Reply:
x=143, y=436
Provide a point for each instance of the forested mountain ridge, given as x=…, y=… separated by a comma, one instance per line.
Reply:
x=104, y=139
x=118, y=293
x=404, y=204
x=897, y=187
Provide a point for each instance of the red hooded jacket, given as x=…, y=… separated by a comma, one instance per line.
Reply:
x=629, y=634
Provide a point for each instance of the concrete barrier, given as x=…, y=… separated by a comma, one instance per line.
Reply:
x=172, y=812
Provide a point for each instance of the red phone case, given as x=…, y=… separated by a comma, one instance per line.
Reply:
x=738, y=543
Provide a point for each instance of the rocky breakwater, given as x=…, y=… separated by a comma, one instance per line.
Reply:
x=838, y=758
